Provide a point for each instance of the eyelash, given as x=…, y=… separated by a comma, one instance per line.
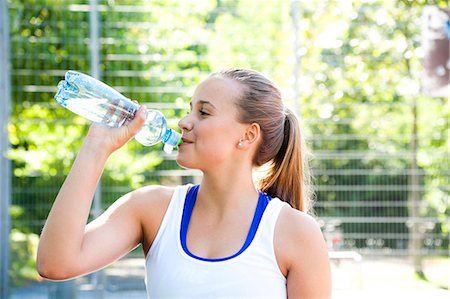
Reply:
x=201, y=112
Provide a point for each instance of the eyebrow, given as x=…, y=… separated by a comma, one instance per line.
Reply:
x=203, y=102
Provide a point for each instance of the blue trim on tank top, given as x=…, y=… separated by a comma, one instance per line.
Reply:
x=189, y=202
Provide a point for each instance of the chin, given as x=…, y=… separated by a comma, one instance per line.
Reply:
x=185, y=164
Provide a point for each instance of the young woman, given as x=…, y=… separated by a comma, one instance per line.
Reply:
x=227, y=237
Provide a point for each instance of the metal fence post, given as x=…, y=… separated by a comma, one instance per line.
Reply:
x=94, y=44
x=98, y=278
x=295, y=16
x=5, y=164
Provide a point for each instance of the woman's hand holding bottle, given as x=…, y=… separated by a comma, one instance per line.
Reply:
x=107, y=139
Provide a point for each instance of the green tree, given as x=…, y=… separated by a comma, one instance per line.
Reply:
x=360, y=67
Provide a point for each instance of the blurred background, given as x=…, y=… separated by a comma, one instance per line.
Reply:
x=369, y=78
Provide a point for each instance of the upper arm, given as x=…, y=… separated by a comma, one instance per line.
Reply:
x=301, y=248
x=120, y=228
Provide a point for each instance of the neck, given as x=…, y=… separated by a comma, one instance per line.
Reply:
x=223, y=191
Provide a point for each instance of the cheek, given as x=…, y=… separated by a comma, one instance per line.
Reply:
x=215, y=142
x=217, y=139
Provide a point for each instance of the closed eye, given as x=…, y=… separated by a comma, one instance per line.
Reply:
x=203, y=113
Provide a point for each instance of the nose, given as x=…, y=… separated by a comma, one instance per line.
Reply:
x=185, y=124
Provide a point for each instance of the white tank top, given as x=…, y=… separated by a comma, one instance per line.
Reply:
x=173, y=272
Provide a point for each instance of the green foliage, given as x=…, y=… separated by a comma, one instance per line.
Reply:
x=23, y=258
x=360, y=67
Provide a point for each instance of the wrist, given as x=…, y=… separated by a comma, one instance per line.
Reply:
x=96, y=149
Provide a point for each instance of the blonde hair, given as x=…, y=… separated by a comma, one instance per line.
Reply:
x=282, y=149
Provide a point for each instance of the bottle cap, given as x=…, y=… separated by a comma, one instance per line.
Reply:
x=173, y=138
x=168, y=148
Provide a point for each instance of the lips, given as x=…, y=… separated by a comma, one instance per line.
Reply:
x=186, y=140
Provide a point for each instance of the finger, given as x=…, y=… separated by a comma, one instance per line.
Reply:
x=138, y=121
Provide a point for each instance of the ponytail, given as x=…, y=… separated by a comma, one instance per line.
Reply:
x=282, y=149
x=287, y=176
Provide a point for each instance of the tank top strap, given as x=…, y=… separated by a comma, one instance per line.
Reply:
x=266, y=232
x=273, y=210
x=172, y=217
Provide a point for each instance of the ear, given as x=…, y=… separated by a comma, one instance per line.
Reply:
x=251, y=136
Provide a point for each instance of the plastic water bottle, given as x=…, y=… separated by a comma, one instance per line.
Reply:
x=98, y=102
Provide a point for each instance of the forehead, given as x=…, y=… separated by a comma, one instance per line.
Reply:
x=221, y=92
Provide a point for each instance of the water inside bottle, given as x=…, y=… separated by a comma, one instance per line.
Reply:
x=100, y=103
x=100, y=111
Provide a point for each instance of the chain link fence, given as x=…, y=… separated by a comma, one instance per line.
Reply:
x=380, y=149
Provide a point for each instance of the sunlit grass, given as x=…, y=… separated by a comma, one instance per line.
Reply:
x=437, y=271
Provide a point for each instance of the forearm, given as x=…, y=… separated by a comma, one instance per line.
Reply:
x=62, y=237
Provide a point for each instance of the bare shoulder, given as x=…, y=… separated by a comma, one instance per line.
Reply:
x=151, y=195
x=297, y=234
x=302, y=255
x=142, y=200
x=151, y=202
x=297, y=226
